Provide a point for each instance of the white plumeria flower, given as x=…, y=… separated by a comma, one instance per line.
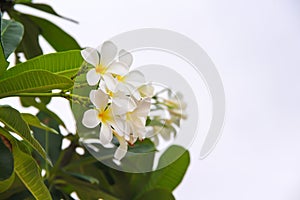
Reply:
x=135, y=121
x=121, y=102
x=102, y=59
x=93, y=117
x=130, y=82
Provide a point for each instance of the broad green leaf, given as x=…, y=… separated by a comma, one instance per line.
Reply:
x=46, y=8
x=63, y=63
x=35, y=122
x=28, y=171
x=6, y=184
x=33, y=81
x=55, y=36
x=6, y=161
x=157, y=194
x=176, y=159
x=50, y=142
x=30, y=43
x=11, y=35
x=14, y=121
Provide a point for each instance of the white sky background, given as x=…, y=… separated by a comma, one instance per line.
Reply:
x=256, y=48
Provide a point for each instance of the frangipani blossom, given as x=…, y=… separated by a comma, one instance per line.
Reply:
x=121, y=102
x=102, y=59
x=135, y=121
x=130, y=82
x=93, y=117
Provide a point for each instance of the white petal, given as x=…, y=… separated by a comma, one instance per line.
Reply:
x=119, y=125
x=143, y=108
x=123, y=88
x=90, y=118
x=121, y=150
x=105, y=134
x=117, y=68
x=108, y=53
x=139, y=129
x=90, y=55
x=92, y=77
x=135, y=78
x=125, y=57
x=99, y=99
x=110, y=82
x=122, y=105
x=146, y=90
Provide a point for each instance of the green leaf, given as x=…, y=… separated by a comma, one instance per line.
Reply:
x=86, y=190
x=63, y=63
x=157, y=194
x=3, y=61
x=83, y=177
x=175, y=162
x=35, y=122
x=14, y=121
x=33, y=81
x=50, y=142
x=46, y=8
x=28, y=171
x=23, y=1
x=6, y=184
x=30, y=43
x=6, y=161
x=57, y=38
x=11, y=35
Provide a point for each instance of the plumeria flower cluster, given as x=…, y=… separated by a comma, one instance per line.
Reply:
x=122, y=99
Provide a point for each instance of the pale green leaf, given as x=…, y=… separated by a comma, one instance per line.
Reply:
x=63, y=63
x=28, y=171
x=33, y=81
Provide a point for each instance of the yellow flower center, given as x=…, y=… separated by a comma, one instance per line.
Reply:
x=120, y=78
x=105, y=116
x=110, y=93
x=101, y=69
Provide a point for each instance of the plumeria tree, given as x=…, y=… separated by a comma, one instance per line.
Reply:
x=114, y=108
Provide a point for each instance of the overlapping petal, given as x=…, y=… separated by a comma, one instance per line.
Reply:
x=90, y=118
